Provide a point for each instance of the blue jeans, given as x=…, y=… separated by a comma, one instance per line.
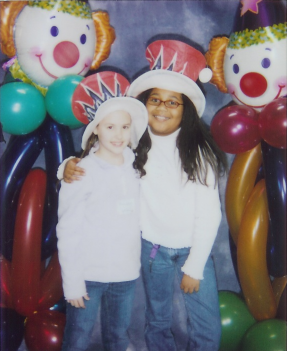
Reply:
x=204, y=322
x=116, y=301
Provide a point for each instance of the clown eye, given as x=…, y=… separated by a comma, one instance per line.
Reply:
x=265, y=63
x=54, y=31
x=235, y=68
x=83, y=38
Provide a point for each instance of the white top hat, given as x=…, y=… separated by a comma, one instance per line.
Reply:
x=175, y=66
x=133, y=107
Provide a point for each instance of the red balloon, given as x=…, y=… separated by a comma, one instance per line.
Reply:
x=273, y=123
x=51, y=284
x=26, y=258
x=235, y=129
x=44, y=331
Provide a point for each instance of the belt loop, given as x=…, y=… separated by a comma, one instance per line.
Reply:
x=152, y=255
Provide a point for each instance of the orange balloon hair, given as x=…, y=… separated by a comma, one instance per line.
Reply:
x=105, y=34
x=214, y=58
x=9, y=10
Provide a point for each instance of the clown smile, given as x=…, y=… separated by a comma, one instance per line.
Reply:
x=261, y=106
x=50, y=74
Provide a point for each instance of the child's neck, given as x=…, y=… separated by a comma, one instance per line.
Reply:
x=114, y=159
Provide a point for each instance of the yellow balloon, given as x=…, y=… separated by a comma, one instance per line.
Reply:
x=241, y=180
x=251, y=256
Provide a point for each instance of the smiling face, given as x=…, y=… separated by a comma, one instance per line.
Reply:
x=52, y=44
x=161, y=119
x=114, y=133
x=256, y=75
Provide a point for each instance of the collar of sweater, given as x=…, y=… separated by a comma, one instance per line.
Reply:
x=164, y=139
x=128, y=154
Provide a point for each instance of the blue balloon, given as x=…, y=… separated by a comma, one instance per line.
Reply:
x=58, y=146
x=17, y=160
x=274, y=163
x=12, y=329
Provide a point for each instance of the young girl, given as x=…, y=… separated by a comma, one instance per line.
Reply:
x=98, y=229
x=180, y=205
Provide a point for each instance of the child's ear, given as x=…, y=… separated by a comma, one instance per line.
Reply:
x=95, y=131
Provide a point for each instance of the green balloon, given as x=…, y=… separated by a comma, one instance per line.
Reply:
x=59, y=100
x=268, y=335
x=22, y=108
x=235, y=320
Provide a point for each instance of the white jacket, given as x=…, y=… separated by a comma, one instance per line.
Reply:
x=98, y=229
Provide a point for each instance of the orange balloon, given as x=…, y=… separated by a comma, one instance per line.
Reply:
x=251, y=256
x=278, y=285
x=9, y=11
x=241, y=180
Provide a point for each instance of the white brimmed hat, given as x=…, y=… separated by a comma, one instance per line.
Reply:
x=133, y=107
x=175, y=66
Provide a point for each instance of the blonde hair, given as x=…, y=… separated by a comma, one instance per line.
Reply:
x=105, y=33
x=215, y=58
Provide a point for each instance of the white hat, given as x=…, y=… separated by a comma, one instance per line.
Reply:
x=133, y=107
x=175, y=66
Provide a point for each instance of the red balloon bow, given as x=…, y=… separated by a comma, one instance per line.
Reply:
x=239, y=128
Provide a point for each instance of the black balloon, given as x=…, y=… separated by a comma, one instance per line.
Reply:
x=12, y=329
x=58, y=146
x=17, y=160
x=274, y=163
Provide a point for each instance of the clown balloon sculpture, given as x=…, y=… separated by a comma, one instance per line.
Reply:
x=250, y=65
x=52, y=45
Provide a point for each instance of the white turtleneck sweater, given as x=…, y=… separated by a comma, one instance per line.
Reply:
x=177, y=213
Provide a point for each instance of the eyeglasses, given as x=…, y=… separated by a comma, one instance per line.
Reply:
x=168, y=103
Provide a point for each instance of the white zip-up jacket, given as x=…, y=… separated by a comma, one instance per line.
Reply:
x=98, y=229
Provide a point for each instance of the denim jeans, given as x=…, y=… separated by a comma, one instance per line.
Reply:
x=204, y=322
x=116, y=301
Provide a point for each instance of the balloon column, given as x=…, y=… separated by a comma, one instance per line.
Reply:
x=250, y=65
x=51, y=45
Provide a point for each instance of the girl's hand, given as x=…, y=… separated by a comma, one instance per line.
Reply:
x=189, y=285
x=79, y=303
x=72, y=171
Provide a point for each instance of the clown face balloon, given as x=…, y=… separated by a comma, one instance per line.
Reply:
x=54, y=39
x=256, y=75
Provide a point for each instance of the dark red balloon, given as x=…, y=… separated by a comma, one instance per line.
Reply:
x=273, y=123
x=5, y=283
x=235, y=129
x=51, y=284
x=44, y=331
x=26, y=258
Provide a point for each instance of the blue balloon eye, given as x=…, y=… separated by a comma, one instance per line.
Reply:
x=83, y=38
x=54, y=31
x=265, y=63
x=235, y=68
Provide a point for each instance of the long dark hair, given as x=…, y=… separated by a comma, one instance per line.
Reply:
x=197, y=149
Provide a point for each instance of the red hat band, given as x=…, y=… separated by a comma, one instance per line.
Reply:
x=94, y=90
x=176, y=56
